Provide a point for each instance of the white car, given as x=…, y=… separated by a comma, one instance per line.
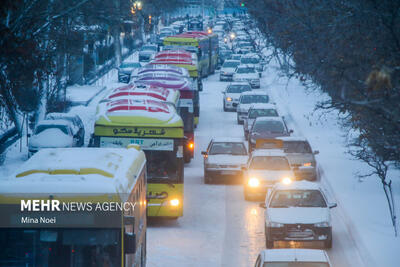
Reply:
x=52, y=134
x=224, y=157
x=264, y=168
x=232, y=93
x=297, y=211
x=147, y=52
x=293, y=257
x=246, y=73
x=228, y=69
x=254, y=61
x=246, y=100
x=255, y=111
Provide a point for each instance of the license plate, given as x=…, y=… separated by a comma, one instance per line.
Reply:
x=228, y=172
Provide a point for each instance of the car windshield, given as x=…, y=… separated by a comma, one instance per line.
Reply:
x=296, y=264
x=130, y=65
x=232, y=148
x=298, y=198
x=231, y=64
x=238, y=88
x=270, y=112
x=249, y=99
x=269, y=126
x=43, y=127
x=269, y=163
x=149, y=48
x=245, y=70
x=249, y=60
x=296, y=147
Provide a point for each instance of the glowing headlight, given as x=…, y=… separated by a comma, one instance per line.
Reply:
x=322, y=224
x=174, y=202
x=253, y=182
x=307, y=164
x=286, y=181
x=229, y=99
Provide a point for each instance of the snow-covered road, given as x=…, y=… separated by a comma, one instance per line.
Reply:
x=219, y=228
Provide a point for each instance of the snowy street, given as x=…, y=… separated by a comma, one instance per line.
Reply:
x=220, y=228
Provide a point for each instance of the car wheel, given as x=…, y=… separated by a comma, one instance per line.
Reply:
x=328, y=242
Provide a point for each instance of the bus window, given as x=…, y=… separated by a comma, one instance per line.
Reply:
x=60, y=247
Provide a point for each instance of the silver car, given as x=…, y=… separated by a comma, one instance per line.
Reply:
x=232, y=93
x=224, y=157
x=301, y=157
x=246, y=100
x=255, y=111
x=228, y=69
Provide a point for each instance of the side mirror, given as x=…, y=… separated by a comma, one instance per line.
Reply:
x=129, y=243
x=262, y=205
x=204, y=153
x=291, y=131
x=29, y=135
x=316, y=152
x=332, y=205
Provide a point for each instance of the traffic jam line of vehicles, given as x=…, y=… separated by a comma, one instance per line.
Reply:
x=144, y=134
x=278, y=168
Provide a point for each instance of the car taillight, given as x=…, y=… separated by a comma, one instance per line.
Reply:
x=186, y=94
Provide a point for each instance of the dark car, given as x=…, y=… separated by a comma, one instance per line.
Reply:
x=125, y=70
x=267, y=128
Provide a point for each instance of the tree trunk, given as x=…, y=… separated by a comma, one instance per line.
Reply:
x=117, y=45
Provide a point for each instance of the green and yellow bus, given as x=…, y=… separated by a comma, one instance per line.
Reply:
x=75, y=207
x=158, y=129
x=205, y=45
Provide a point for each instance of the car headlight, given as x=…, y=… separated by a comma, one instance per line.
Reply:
x=253, y=182
x=229, y=99
x=307, y=164
x=286, y=180
x=275, y=224
x=322, y=224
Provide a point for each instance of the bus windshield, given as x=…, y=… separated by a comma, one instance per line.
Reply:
x=60, y=247
x=161, y=166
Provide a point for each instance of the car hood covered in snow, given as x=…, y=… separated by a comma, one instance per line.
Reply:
x=300, y=215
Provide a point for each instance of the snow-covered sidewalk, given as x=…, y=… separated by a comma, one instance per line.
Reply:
x=363, y=204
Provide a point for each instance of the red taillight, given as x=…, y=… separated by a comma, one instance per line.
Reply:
x=186, y=94
x=191, y=145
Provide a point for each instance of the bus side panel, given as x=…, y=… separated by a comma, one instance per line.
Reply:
x=138, y=198
x=159, y=203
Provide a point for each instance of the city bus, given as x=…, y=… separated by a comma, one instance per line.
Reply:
x=214, y=47
x=200, y=42
x=158, y=129
x=143, y=91
x=193, y=72
x=101, y=216
x=185, y=107
x=206, y=45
